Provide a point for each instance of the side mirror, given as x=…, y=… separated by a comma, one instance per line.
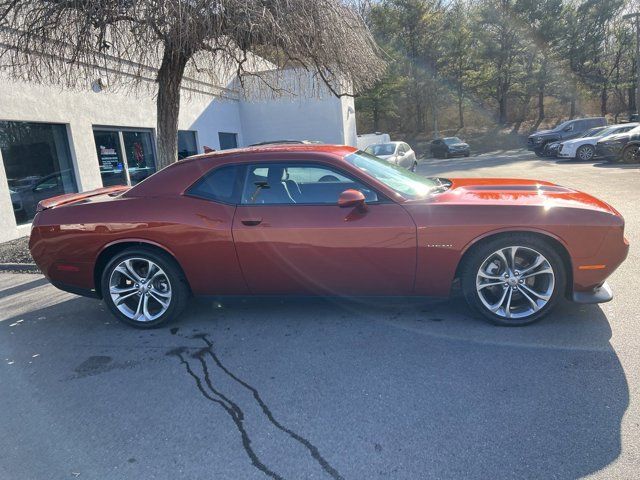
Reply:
x=351, y=198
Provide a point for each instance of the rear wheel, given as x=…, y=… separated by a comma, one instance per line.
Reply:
x=144, y=288
x=513, y=280
x=539, y=152
x=585, y=153
x=631, y=154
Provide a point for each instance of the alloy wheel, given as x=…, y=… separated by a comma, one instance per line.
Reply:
x=585, y=153
x=140, y=289
x=515, y=282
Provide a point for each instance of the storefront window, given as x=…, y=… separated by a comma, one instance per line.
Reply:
x=37, y=161
x=110, y=158
x=187, y=144
x=125, y=156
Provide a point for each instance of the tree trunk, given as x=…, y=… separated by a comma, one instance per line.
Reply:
x=540, y=105
x=168, y=105
x=604, y=96
x=460, y=107
x=632, y=99
x=502, y=110
x=573, y=110
x=376, y=119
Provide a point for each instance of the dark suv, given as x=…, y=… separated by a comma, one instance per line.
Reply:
x=565, y=131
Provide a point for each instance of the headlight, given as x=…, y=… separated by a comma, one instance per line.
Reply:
x=538, y=140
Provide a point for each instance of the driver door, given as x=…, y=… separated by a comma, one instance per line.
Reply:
x=292, y=238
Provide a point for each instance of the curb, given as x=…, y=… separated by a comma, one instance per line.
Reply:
x=19, y=267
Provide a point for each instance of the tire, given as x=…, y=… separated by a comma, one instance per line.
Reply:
x=414, y=166
x=510, y=293
x=585, y=153
x=631, y=154
x=539, y=153
x=164, y=297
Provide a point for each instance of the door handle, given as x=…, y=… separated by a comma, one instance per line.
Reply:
x=252, y=222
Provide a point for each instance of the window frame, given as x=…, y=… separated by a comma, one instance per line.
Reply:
x=382, y=198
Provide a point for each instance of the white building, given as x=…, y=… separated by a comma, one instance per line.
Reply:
x=55, y=140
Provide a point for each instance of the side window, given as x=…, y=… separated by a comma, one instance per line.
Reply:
x=288, y=184
x=220, y=185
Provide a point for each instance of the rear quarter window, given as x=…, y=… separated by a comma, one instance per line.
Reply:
x=220, y=185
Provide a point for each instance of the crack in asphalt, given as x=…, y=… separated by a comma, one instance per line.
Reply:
x=236, y=413
x=246, y=441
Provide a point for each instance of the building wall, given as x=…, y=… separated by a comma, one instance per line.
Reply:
x=326, y=119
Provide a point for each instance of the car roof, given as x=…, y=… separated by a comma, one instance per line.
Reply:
x=178, y=175
x=338, y=150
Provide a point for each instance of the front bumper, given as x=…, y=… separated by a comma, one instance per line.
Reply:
x=601, y=294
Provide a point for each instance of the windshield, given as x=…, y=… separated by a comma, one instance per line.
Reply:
x=381, y=149
x=595, y=132
x=404, y=182
x=562, y=126
x=452, y=140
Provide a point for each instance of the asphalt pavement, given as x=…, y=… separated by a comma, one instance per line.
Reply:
x=327, y=389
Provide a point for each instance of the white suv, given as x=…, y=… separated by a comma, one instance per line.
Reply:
x=584, y=147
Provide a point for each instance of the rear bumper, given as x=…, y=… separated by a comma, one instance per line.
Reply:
x=599, y=294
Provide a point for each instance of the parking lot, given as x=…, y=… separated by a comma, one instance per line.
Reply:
x=327, y=389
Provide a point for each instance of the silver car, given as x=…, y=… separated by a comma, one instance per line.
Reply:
x=398, y=153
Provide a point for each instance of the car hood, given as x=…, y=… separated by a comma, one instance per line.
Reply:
x=541, y=132
x=459, y=145
x=509, y=191
x=581, y=141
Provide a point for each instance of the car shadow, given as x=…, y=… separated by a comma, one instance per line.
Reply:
x=399, y=388
x=618, y=165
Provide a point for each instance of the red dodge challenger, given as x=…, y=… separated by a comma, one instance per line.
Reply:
x=326, y=220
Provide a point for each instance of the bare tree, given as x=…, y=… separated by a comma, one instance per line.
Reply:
x=66, y=41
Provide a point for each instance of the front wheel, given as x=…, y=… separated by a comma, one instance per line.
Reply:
x=144, y=288
x=539, y=153
x=513, y=280
x=585, y=153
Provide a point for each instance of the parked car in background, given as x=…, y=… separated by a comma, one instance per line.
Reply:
x=552, y=149
x=565, y=131
x=327, y=220
x=398, y=153
x=449, y=147
x=366, y=139
x=612, y=148
x=584, y=147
